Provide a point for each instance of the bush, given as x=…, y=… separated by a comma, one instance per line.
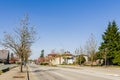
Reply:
x=6, y=69
x=44, y=63
x=54, y=65
x=80, y=60
x=18, y=63
x=1, y=72
x=64, y=63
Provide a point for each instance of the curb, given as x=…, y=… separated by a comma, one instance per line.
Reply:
x=31, y=74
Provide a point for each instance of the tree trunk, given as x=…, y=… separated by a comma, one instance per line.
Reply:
x=92, y=61
x=21, y=68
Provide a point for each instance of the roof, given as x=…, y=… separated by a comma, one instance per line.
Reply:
x=4, y=54
x=53, y=54
x=67, y=54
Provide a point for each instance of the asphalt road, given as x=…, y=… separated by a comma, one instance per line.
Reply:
x=58, y=73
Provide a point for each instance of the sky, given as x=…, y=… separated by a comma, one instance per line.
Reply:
x=60, y=24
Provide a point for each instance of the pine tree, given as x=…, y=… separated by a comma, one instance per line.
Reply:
x=111, y=41
x=42, y=54
x=116, y=59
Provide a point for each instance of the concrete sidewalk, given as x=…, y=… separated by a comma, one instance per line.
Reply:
x=14, y=74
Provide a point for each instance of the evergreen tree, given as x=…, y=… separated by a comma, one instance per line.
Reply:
x=111, y=40
x=42, y=54
x=80, y=59
x=116, y=59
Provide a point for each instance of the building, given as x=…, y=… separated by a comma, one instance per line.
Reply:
x=4, y=56
x=56, y=59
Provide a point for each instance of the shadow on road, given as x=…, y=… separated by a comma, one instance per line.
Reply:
x=48, y=70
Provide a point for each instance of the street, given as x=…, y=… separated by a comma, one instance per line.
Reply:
x=58, y=73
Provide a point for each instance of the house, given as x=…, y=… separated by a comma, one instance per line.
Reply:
x=86, y=58
x=4, y=56
x=41, y=60
x=13, y=58
x=68, y=58
x=56, y=59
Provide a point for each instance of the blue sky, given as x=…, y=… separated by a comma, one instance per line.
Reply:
x=60, y=24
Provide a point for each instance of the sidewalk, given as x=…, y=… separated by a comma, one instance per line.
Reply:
x=14, y=74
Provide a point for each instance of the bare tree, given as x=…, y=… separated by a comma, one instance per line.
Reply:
x=62, y=51
x=91, y=48
x=79, y=55
x=21, y=41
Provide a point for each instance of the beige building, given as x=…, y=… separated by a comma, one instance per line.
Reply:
x=57, y=59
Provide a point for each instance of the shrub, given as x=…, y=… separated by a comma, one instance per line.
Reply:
x=1, y=72
x=80, y=59
x=64, y=63
x=44, y=63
